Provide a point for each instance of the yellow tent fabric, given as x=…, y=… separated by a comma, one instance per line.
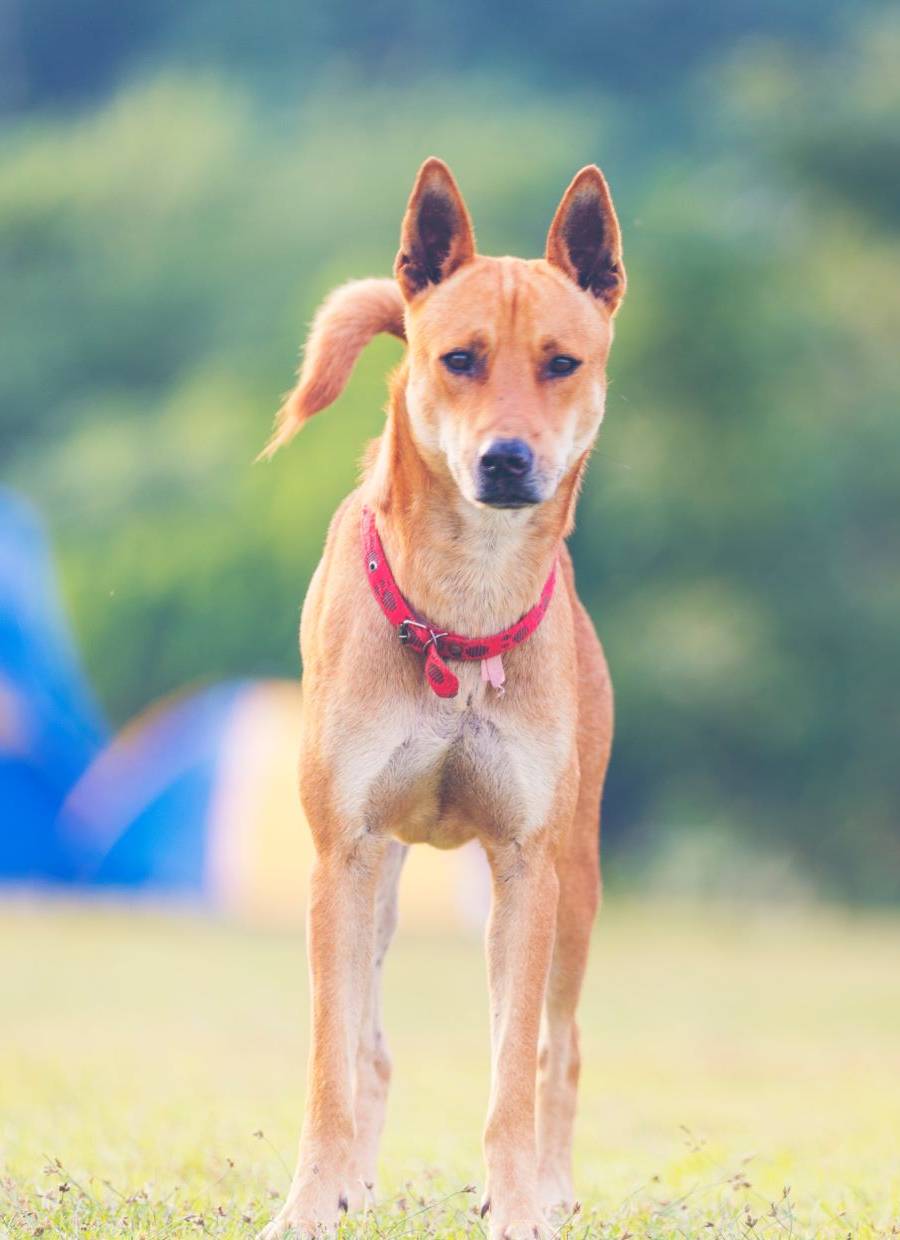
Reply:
x=260, y=853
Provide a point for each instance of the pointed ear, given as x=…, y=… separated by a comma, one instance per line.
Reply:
x=584, y=239
x=437, y=235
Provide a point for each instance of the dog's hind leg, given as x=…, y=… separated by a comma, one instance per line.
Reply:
x=578, y=870
x=559, y=1061
x=373, y=1062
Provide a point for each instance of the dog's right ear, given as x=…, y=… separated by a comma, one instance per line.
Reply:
x=437, y=236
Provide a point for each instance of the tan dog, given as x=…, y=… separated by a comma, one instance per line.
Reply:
x=472, y=488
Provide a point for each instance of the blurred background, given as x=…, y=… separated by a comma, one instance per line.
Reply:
x=179, y=186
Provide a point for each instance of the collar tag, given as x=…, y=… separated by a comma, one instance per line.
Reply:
x=492, y=671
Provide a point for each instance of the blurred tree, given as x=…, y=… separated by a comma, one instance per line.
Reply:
x=60, y=51
x=737, y=537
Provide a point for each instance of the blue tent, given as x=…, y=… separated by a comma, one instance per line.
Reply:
x=50, y=726
x=140, y=817
x=196, y=798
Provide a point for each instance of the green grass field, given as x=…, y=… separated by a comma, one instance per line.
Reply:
x=742, y=1076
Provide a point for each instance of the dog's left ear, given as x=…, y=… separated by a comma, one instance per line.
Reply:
x=437, y=236
x=584, y=238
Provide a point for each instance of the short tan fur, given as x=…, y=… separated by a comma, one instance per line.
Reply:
x=384, y=762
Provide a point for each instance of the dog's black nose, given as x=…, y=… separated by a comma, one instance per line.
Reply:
x=507, y=458
x=506, y=474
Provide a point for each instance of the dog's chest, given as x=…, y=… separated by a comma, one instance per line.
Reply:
x=442, y=775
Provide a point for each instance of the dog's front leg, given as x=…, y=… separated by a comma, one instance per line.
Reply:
x=341, y=941
x=519, y=948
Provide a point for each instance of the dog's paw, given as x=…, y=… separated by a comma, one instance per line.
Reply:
x=298, y=1227
x=360, y=1196
x=289, y=1224
x=306, y=1216
x=521, y=1229
x=516, y=1224
x=556, y=1194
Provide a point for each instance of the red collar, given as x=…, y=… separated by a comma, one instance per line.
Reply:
x=419, y=635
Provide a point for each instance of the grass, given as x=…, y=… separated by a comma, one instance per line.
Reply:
x=742, y=1076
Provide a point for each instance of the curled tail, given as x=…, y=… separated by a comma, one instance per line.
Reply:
x=344, y=324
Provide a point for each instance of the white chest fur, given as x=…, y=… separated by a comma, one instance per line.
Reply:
x=440, y=772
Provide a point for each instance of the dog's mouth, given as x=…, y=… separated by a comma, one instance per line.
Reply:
x=508, y=503
x=504, y=493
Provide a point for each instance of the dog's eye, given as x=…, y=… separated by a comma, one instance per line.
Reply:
x=562, y=365
x=460, y=361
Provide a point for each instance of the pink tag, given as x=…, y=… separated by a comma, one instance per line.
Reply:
x=492, y=670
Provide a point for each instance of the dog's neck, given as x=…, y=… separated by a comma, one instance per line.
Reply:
x=469, y=569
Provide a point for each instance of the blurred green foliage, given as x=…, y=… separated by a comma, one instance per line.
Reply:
x=177, y=191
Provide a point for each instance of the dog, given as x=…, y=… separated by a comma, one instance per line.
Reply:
x=454, y=686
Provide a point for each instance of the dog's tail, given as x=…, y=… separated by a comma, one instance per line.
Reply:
x=344, y=324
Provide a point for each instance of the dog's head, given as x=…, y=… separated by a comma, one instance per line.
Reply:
x=506, y=373
x=507, y=357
